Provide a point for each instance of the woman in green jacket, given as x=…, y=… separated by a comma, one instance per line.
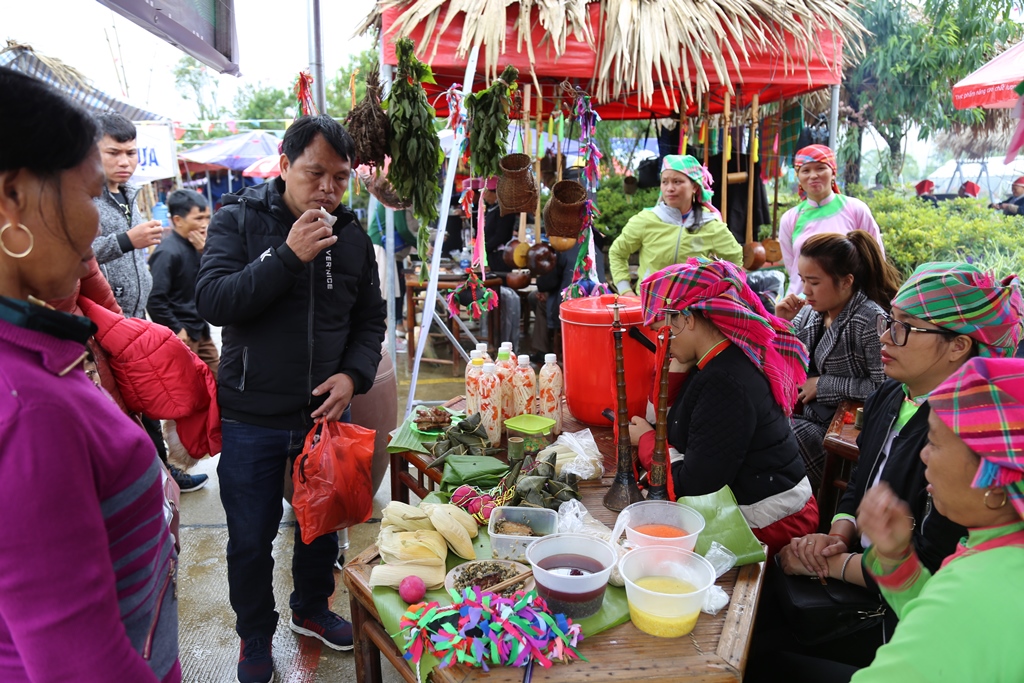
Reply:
x=683, y=224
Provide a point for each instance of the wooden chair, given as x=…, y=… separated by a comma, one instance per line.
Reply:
x=841, y=453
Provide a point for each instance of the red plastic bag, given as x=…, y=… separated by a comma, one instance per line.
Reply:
x=332, y=478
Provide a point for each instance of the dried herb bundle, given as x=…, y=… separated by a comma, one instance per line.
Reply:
x=488, y=123
x=415, y=148
x=369, y=125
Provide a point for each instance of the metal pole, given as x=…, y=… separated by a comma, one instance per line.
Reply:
x=316, y=57
x=435, y=265
x=389, y=231
x=833, y=119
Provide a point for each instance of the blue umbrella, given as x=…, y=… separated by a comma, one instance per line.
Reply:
x=236, y=152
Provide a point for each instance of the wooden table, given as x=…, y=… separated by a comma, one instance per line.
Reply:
x=841, y=453
x=715, y=651
x=413, y=289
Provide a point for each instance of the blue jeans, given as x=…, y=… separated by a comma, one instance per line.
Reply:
x=252, y=465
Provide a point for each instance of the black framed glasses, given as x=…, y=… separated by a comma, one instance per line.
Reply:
x=899, y=332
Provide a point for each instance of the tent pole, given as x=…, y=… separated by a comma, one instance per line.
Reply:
x=389, y=230
x=833, y=119
x=435, y=262
x=316, y=56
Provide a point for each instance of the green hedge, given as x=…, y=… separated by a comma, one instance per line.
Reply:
x=617, y=207
x=915, y=232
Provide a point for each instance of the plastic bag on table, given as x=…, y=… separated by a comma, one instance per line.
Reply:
x=587, y=463
x=574, y=518
x=722, y=559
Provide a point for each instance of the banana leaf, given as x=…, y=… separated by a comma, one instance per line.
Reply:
x=723, y=522
x=483, y=472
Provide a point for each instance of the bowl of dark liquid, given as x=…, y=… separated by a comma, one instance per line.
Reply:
x=571, y=571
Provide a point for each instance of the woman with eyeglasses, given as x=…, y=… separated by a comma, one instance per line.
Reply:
x=728, y=424
x=944, y=315
x=847, y=283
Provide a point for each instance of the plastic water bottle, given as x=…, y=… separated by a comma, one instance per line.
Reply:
x=506, y=367
x=551, y=383
x=490, y=403
x=161, y=213
x=465, y=259
x=482, y=348
x=524, y=388
x=473, y=371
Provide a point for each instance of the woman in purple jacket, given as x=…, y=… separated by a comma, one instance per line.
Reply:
x=87, y=564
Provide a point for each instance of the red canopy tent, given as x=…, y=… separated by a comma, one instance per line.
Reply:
x=992, y=86
x=777, y=69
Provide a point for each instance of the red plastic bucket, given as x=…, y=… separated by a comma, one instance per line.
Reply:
x=588, y=353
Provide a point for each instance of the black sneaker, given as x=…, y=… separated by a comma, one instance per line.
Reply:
x=327, y=627
x=255, y=665
x=188, y=482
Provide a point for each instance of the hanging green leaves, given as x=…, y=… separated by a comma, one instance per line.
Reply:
x=488, y=123
x=415, y=148
x=369, y=125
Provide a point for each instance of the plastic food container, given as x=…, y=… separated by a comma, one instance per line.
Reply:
x=513, y=547
x=665, y=588
x=660, y=522
x=571, y=571
x=588, y=353
x=535, y=431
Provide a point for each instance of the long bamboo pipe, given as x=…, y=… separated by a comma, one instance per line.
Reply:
x=623, y=490
x=658, y=482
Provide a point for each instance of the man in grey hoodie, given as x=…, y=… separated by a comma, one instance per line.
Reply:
x=124, y=234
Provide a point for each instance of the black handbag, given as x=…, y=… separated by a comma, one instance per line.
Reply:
x=819, y=613
x=648, y=171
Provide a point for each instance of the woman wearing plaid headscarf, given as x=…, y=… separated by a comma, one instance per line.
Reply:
x=962, y=622
x=683, y=224
x=729, y=418
x=823, y=209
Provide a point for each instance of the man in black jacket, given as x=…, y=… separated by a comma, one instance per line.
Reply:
x=175, y=266
x=290, y=275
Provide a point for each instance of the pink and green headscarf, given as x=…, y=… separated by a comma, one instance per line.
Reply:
x=819, y=154
x=983, y=402
x=963, y=299
x=719, y=290
x=692, y=169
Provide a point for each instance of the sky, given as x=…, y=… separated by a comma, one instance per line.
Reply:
x=272, y=42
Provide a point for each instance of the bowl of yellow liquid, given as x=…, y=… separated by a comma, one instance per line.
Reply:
x=665, y=588
x=660, y=522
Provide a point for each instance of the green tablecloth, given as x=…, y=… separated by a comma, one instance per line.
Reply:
x=390, y=607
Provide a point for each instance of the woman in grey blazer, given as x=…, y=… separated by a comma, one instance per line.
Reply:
x=846, y=284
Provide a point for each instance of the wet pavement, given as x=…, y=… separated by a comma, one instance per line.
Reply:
x=208, y=644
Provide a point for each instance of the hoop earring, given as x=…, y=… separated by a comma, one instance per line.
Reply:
x=1001, y=504
x=31, y=241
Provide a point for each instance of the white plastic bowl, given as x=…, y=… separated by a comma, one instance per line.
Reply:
x=665, y=614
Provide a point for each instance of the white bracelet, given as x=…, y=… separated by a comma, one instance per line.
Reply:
x=842, y=572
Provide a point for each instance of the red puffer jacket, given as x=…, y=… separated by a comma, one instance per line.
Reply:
x=159, y=376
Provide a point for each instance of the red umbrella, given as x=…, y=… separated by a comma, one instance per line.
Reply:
x=991, y=86
x=267, y=167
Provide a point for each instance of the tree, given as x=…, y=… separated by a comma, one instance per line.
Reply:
x=913, y=58
x=253, y=102
x=193, y=81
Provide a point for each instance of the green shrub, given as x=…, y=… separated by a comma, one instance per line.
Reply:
x=915, y=232
x=617, y=207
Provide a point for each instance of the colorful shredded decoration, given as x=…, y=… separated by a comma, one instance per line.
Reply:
x=482, y=629
x=483, y=299
x=585, y=279
x=304, y=94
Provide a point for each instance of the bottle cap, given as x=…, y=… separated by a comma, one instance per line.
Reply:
x=505, y=345
x=482, y=348
x=475, y=354
x=490, y=367
x=550, y=358
x=503, y=354
x=524, y=361
x=477, y=362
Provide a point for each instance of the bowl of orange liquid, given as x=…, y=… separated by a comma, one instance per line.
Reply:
x=660, y=522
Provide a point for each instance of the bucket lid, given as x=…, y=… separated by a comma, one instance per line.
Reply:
x=593, y=310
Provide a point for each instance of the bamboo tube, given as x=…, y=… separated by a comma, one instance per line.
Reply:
x=527, y=129
x=623, y=490
x=725, y=159
x=658, y=482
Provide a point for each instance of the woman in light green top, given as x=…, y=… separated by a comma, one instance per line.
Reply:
x=683, y=224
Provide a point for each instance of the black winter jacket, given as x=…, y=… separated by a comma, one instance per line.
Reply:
x=732, y=431
x=172, y=303
x=288, y=326
x=935, y=537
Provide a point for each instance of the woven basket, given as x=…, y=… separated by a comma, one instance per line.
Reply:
x=563, y=214
x=517, y=188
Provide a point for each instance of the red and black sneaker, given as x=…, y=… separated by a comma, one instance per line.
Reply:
x=255, y=665
x=328, y=627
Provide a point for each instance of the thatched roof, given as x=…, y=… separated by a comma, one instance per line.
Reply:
x=644, y=46
x=979, y=141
